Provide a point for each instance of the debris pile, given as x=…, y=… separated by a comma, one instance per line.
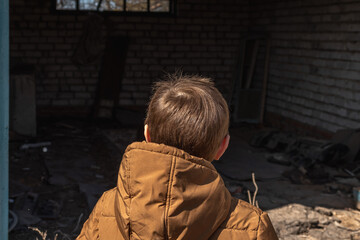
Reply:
x=296, y=221
x=314, y=160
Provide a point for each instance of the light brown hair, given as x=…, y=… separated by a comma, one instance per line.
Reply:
x=189, y=113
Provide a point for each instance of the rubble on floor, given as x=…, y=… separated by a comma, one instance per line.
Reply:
x=57, y=177
x=304, y=201
x=296, y=221
x=313, y=160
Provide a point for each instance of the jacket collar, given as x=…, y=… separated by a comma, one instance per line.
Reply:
x=169, y=193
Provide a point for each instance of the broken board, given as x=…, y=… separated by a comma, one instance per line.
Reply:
x=23, y=104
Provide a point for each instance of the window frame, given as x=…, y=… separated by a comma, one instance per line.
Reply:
x=77, y=11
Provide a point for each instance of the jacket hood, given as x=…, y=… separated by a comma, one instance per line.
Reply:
x=166, y=193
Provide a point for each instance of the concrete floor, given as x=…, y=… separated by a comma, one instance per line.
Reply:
x=275, y=190
x=297, y=211
x=83, y=161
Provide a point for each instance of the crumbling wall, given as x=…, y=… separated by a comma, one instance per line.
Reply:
x=202, y=38
x=314, y=70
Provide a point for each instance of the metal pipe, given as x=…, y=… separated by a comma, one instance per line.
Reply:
x=4, y=119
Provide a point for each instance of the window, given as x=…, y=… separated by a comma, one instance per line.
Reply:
x=146, y=6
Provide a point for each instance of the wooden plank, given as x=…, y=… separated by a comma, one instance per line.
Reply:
x=110, y=76
x=265, y=80
x=238, y=73
x=252, y=65
x=249, y=101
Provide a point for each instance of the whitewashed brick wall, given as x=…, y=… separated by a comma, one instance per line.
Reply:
x=315, y=60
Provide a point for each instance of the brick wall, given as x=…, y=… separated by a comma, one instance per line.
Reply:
x=313, y=78
x=202, y=38
x=315, y=60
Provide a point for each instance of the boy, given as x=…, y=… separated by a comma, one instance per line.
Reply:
x=167, y=187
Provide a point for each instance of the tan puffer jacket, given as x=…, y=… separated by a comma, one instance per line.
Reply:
x=165, y=193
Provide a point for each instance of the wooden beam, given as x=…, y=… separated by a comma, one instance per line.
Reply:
x=265, y=80
x=252, y=65
x=4, y=119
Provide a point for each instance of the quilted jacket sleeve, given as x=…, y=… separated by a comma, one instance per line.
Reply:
x=245, y=222
x=102, y=222
x=266, y=230
x=90, y=230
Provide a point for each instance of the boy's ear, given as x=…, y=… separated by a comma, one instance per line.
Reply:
x=147, y=133
x=224, y=145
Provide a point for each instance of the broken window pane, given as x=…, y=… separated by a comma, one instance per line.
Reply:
x=136, y=5
x=88, y=4
x=112, y=5
x=115, y=5
x=65, y=4
x=159, y=5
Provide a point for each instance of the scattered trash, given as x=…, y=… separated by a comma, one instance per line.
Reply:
x=44, y=190
x=34, y=145
x=308, y=156
x=62, y=206
x=300, y=151
x=13, y=220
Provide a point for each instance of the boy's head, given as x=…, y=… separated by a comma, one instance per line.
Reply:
x=189, y=113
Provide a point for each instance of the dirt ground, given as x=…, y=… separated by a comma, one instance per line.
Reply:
x=55, y=184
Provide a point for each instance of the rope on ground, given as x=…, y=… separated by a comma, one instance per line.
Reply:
x=42, y=234
x=249, y=196
x=253, y=201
